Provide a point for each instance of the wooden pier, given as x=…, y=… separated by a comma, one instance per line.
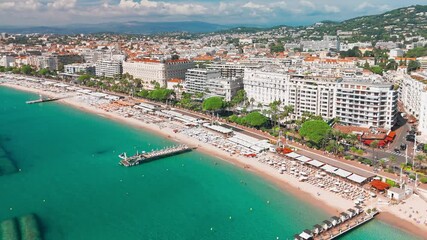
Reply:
x=153, y=155
x=338, y=225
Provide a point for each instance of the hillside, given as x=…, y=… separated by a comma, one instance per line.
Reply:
x=133, y=27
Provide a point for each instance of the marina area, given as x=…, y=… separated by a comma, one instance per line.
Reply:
x=253, y=154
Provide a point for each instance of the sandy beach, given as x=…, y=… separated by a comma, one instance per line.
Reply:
x=319, y=197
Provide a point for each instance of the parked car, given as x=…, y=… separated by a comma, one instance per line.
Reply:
x=420, y=147
x=410, y=138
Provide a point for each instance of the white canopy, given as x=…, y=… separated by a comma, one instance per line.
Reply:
x=342, y=173
x=303, y=159
x=356, y=178
x=329, y=168
x=293, y=155
x=315, y=163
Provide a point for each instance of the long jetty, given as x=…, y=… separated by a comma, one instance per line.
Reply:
x=153, y=155
x=337, y=225
x=42, y=100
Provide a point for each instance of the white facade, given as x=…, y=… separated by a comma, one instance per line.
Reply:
x=211, y=83
x=366, y=104
x=77, y=68
x=396, y=53
x=7, y=61
x=413, y=95
x=355, y=102
x=107, y=68
x=155, y=71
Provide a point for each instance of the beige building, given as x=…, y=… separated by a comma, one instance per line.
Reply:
x=150, y=71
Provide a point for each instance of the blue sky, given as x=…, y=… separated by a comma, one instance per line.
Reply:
x=257, y=12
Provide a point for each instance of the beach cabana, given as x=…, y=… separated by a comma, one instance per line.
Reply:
x=329, y=168
x=356, y=178
x=351, y=212
x=317, y=229
x=326, y=225
x=344, y=216
x=303, y=159
x=335, y=220
x=358, y=209
x=306, y=235
x=342, y=173
x=292, y=155
x=315, y=163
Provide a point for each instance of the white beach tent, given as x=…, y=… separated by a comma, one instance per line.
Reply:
x=342, y=173
x=329, y=168
x=316, y=163
x=293, y=155
x=303, y=159
x=356, y=178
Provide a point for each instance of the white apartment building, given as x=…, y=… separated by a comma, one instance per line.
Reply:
x=78, y=68
x=7, y=61
x=157, y=71
x=41, y=62
x=108, y=68
x=364, y=103
x=413, y=95
x=231, y=69
x=355, y=102
x=211, y=83
x=266, y=87
x=196, y=79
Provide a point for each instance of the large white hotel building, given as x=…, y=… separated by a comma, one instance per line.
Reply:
x=354, y=101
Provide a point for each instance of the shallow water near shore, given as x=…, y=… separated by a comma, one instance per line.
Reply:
x=70, y=178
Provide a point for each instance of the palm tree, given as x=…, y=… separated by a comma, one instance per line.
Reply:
x=421, y=158
x=374, y=145
x=287, y=111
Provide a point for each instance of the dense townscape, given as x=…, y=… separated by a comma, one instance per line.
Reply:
x=340, y=109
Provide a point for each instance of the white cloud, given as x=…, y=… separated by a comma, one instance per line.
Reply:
x=20, y=5
x=308, y=4
x=147, y=7
x=363, y=6
x=332, y=9
x=62, y=4
x=41, y=12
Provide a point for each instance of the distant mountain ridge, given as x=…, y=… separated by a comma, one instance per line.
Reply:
x=412, y=19
x=132, y=27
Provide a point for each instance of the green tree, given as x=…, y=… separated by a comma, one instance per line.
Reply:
x=255, y=119
x=238, y=98
x=413, y=65
x=314, y=131
x=160, y=94
x=213, y=104
x=44, y=72
x=143, y=93
x=26, y=69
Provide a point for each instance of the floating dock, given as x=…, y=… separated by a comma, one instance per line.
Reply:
x=153, y=155
x=337, y=225
x=42, y=100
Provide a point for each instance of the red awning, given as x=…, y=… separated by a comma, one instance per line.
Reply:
x=380, y=186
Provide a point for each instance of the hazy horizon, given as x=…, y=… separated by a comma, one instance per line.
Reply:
x=234, y=12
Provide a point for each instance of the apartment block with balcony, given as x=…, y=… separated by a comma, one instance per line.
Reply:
x=367, y=104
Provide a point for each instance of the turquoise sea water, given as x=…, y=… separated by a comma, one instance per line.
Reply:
x=70, y=178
